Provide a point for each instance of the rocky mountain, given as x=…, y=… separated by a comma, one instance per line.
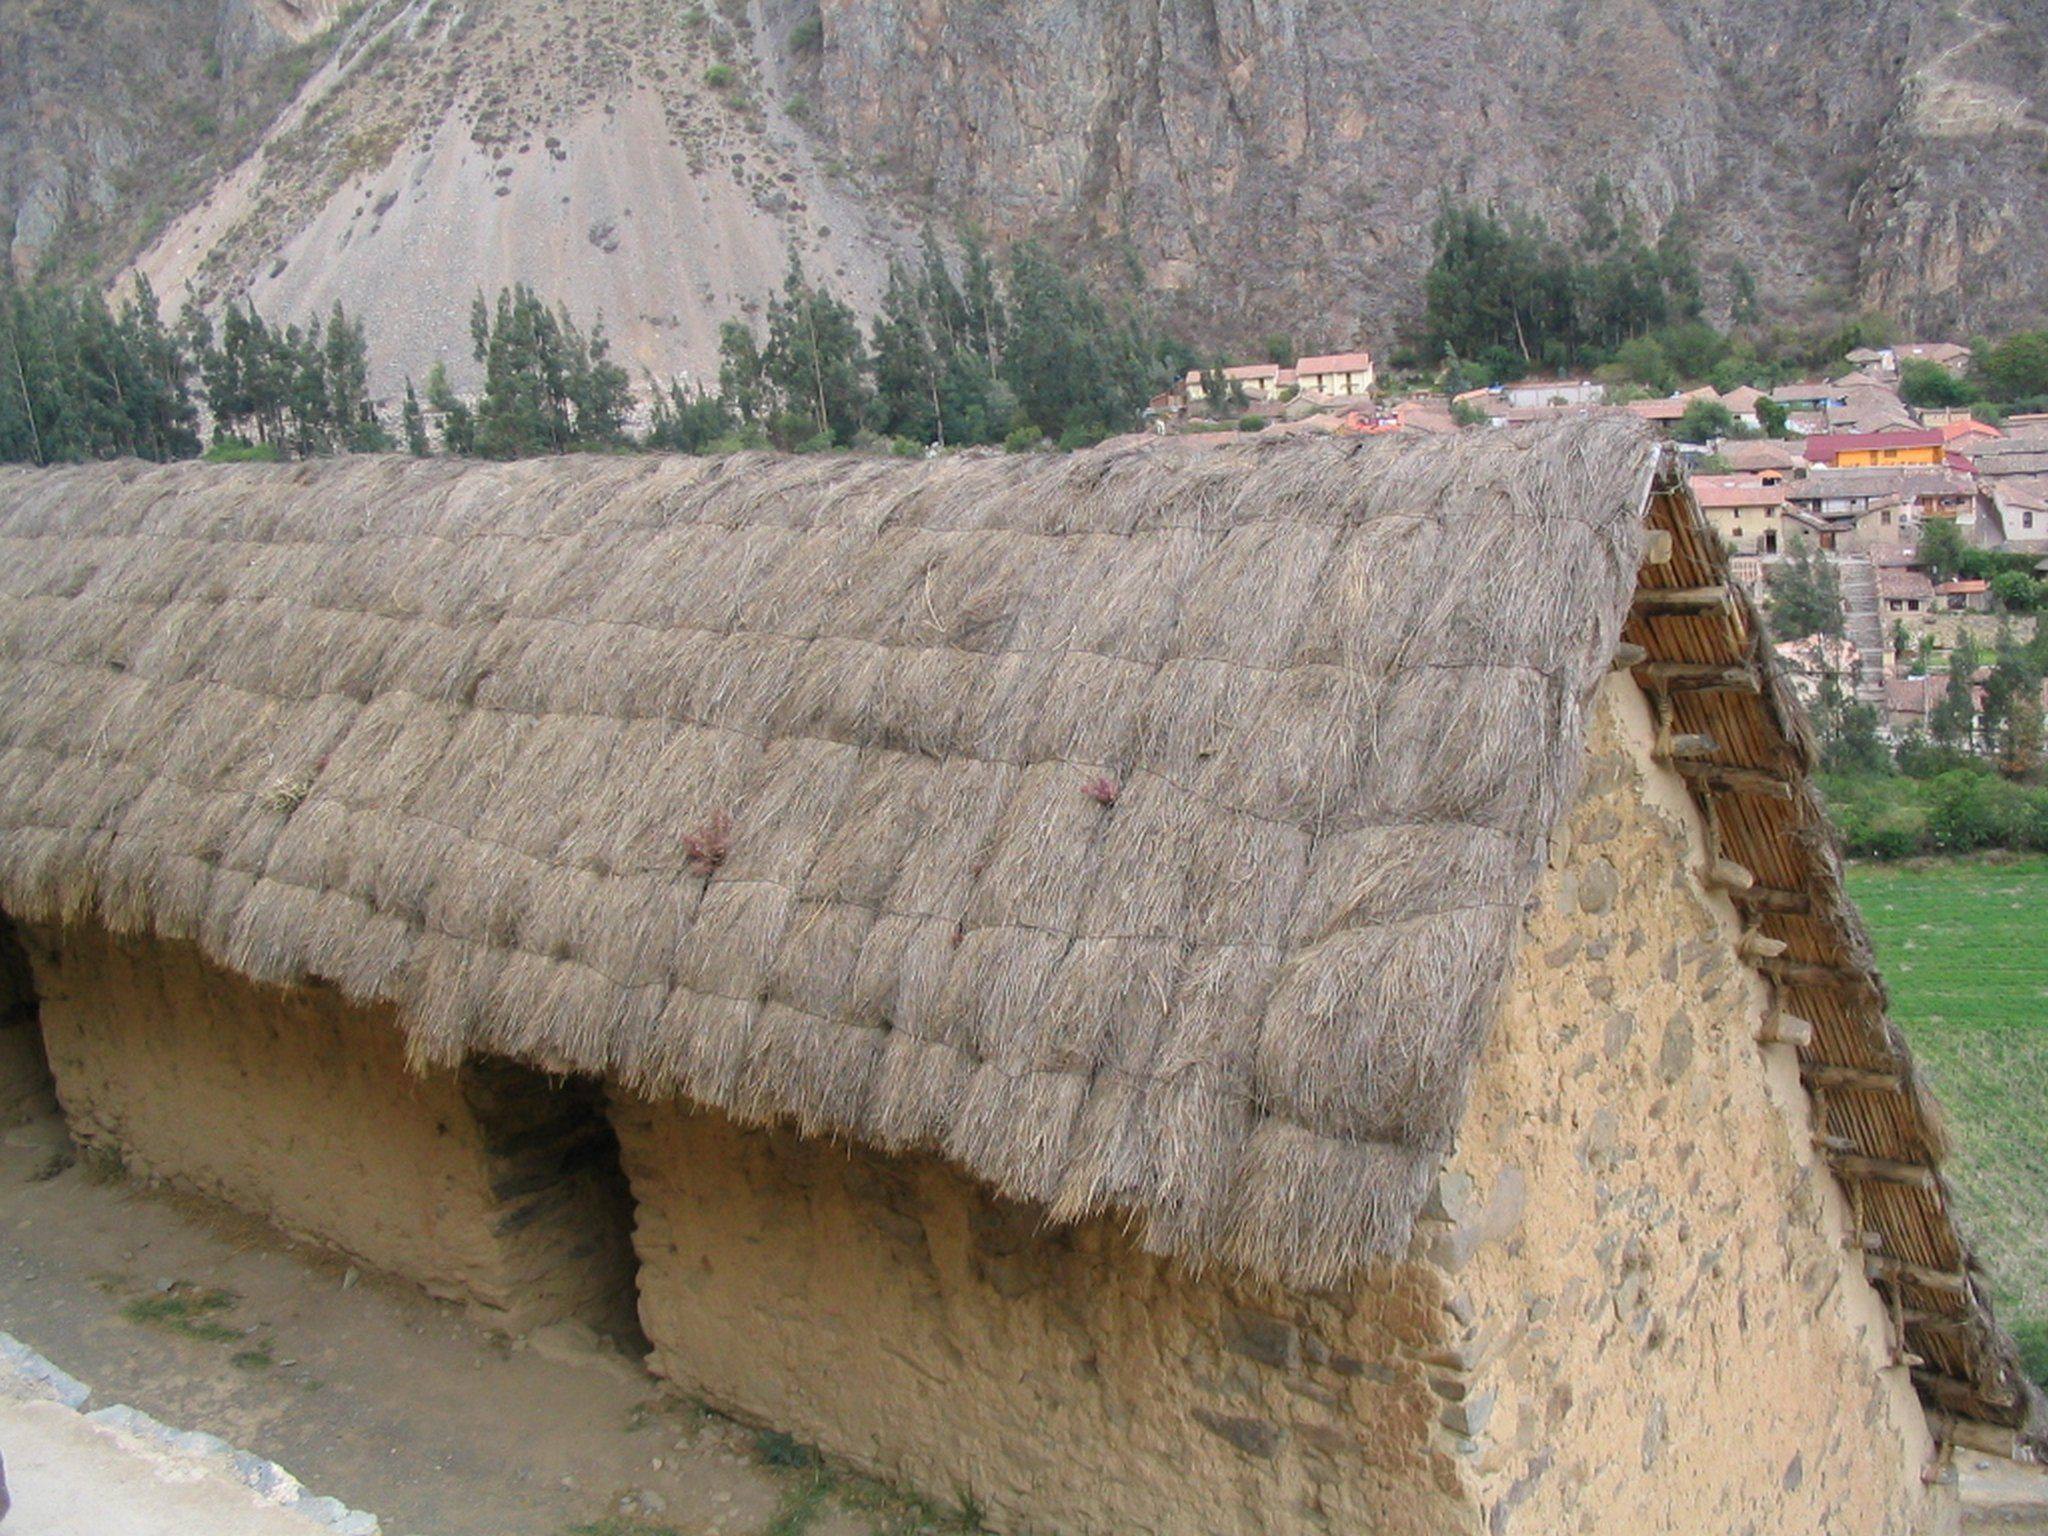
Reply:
x=1271, y=164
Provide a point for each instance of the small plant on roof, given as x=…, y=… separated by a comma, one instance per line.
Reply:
x=1102, y=789
x=705, y=848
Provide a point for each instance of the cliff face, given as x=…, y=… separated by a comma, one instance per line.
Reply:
x=1278, y=161
x=1274, y=164
x=114, y=114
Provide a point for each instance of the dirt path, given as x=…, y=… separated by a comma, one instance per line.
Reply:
x=368, y=1390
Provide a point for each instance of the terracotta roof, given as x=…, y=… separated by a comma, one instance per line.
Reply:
x=1962, y=588
x=1903, y=581
x=1240, y=371
x=1943, y=352
x=1335, y=362
x=1723, y=491
x=1968, y=426
x=1670, y=408
x=1751, y=454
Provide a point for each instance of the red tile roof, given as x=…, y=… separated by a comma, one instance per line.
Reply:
x=1828, y=446
x=1903, y=581
x=1967, y=426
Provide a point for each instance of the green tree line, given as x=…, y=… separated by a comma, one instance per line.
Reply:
x=958, y=353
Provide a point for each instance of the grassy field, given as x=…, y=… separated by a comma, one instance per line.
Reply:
x=1963, y=944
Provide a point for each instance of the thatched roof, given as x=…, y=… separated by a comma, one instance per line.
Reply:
x=778, y=783
x=1147, y=830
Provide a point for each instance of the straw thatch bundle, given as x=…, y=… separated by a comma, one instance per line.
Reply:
x=1146, y=829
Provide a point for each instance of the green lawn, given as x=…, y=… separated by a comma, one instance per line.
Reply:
x=1963, y=944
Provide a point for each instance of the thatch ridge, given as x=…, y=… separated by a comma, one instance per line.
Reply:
x=1146, y=830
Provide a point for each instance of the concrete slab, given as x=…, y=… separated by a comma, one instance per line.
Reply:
x=69, y=1476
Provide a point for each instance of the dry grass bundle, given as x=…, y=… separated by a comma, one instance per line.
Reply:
x=1147, y=829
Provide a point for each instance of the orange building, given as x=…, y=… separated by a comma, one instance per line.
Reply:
x=1877, y=450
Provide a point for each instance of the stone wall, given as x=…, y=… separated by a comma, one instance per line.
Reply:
x=1667, y=1333
x=896, y=1314
x=490, y=1186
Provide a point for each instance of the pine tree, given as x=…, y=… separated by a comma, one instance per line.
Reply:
x=415, y=422
x=347, y=374
x=908, y=367
x=984, y=320
x=815, y=357
x=2020, y=750
x=458, y=422
x=599, y=388
x=742, y=382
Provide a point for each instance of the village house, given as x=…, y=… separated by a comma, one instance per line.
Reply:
x=1873, y=450
x=1925, y=492
x=1814, y=397
x=1904, y=589
x=1255, y=989
x=1336, y=374
x=2018, y=456
x=1524, y=394
x=1880, y=526
x=1908, y=701
x=1948, y=354
x=1867, y=405
x=1667, y=411
x=1766, y=458
x=1959, y=429
x=1258, y=381
x=2015, y=515
x=1743, y=509
x=1741, y=404
x=1964, y=595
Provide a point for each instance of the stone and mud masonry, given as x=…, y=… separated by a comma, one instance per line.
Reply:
x=172, y=1367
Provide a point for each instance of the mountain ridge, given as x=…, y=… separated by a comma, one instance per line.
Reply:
x=1269, y=167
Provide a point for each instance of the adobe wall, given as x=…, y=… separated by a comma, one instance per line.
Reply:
x=1667, y=1334
x=894, y=1313
x=298, y=1106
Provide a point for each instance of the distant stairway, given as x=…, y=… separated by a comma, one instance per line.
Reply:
x=1865, y=622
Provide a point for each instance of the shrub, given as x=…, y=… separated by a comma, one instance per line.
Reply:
x=808, y=35
x=719, y=76
x=1251, y=423
x=1081, y=435
x=1023, y=438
